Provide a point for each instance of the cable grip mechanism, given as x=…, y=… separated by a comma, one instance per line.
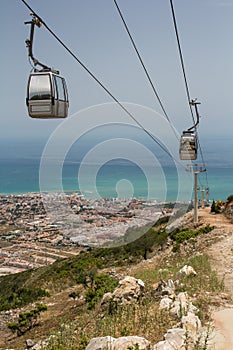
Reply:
x=29, y=42
x=195, y=103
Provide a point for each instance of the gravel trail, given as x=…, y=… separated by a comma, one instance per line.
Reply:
x=221, y=255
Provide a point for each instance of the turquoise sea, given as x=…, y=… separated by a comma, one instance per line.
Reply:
x=20, y=167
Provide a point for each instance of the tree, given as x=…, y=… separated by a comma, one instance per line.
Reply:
x=216, y=207
x=230, y=198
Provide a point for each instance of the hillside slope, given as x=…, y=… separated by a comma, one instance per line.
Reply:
x=147, y=257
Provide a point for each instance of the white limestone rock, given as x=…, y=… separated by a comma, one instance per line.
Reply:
x=191, y=323
x=174, y=339
x=123, y=343
x=101, y=343
x=128, y=290
x=165, y=303
x=187, y=271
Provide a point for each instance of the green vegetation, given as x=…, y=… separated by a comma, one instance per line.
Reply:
x=27, y=320
x=179, y=236
x=23, y=288
x=20, y=289
x=230, y=198
x=100, y=284
x=216, y=207
x=143, y=318
x=21, y=297
x=65, y=339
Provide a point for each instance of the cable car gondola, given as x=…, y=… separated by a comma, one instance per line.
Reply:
x=47, y=96
x=188, y=141
x=188, y=146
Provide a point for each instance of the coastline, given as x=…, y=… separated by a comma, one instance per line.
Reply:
x=20, y=168
x=36, y=231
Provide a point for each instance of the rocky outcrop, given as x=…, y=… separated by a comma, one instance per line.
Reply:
x=122, y=343
x=163, y=288
x=174, y=339
x=179, y=306
x=187, y=331
x=100, y=343
x=189, y=326
x=229, y=211
x=128, y=291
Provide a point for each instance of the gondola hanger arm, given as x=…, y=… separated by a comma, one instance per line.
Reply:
x=29, y=42
x=195, y=103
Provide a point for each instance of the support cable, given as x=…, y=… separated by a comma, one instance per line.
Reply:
x=141, y=60
x=144, y=67
x=181, y=59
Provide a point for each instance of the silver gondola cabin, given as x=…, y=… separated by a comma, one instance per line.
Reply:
x=188, y=146
x=47, y=95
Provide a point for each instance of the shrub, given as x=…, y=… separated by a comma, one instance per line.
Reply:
x=21, y=297
x=216, y=207
x=101, y=284
x=180, y=236
x=230, y=198
x=184, y=236
x=27, y=320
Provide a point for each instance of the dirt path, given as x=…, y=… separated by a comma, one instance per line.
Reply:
x=221, y=254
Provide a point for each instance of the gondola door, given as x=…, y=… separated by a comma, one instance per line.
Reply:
x=47, y=96
x=60, y=97
x=39, y=100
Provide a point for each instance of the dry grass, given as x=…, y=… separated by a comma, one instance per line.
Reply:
x=144, y=318
x=73, y=325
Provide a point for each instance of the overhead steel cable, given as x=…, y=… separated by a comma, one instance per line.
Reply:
x=141, y=60
x=181, y=59
x=99, y=82
x=144, y=66
x=186, y=81
x=147, y=73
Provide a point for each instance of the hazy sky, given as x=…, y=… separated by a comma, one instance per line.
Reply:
x=93, y=30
